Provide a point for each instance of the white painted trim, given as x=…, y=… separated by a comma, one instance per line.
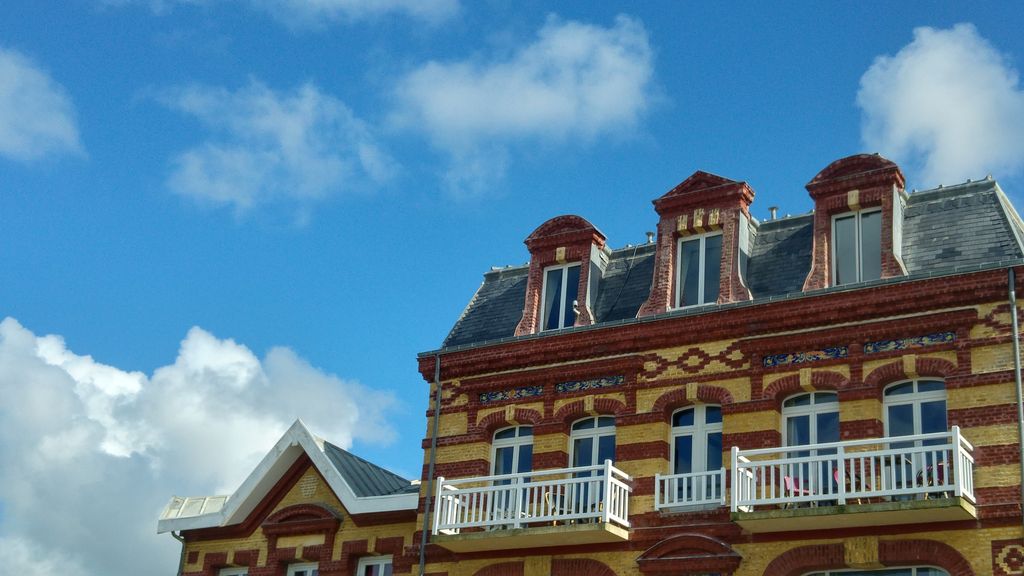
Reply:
x=856, y=242
x=296, y=440
x=367, y=561
x=293, y=568
x=915, y=399
x=544, y=292
x=233, y=571
x=596, y=433
x=515, y=443
x=812, y=409
x=701, y=265
x=700, y=429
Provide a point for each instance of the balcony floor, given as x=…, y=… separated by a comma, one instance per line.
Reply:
x=857, y=515
x=536, y=537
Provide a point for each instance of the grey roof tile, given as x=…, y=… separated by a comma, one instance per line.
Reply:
x=945, y=230
x=366, y=478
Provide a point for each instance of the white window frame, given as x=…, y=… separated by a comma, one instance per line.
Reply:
x=698, y=430
x=293, y=568
x=233, y=571
x=515, y=443
x=596, y=432
x=811, y=409
x=702, y=238
x=915, y=398
x=856, y=243
x=367, y=561
x=562, y=302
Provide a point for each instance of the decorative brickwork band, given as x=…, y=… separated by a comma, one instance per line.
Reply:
x=789, y=358
x=1008, y=557
x=579, y=567
x=904, y=343
x=689, y=554
x=593, y=384
x=503, y=569
x=513, y=394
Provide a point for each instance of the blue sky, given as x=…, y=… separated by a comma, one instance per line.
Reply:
x=216, y=216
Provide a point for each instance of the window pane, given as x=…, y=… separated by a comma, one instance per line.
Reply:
x=901, y=420
x=525, y=458
x=712, y=267
x=552, y=298
x=828, y=427
x=712, y=414
x=689, y=272
x=604, y=421
x=503, y=460
x=798, y=430
x=583, y=452
x=583, y=424
x=825, y=398
x=714, y=453
x=930, y=385
x=605, y=448
x=526, y=430
x=683, y=418
x=506, y=433
x=684, y=455
x=845, y=249
x=387, y=570
x=801, y=400
x=572, y=286
x=905, y=388
x=933, y=417
x=871, y=245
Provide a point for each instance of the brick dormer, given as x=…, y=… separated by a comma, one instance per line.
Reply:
x=864, y=194
x=703, y=205
x=559, y=245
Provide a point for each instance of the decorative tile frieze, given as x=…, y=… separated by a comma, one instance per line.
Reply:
x=513, y=394
x=903, y=343
x=595, y=383
x=789, y=358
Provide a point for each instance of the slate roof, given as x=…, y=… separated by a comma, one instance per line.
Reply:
x=945, y=230
x=366, y=478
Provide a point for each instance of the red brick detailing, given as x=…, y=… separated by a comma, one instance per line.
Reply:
x=351, y=552
x=576, y=410
x=698, y=197
x=213, y=562
x=923, y=552
x=860, y=429
x=495, y=421
x=391, y=545
x=820, y=380
x=1008, y=557
x=193, y=557
x=579, y=567
x=874, y=177
x=641, y=451
x=688, y=553
x=503, y=569
x=246, y=558
x=982, y=416
x=577, y=236
x=799, y=561
x=670, y=401
x=925, y=368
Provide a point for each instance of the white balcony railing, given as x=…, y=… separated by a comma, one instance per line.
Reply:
x=689, y=490
x=903, y=467
x=584, y=494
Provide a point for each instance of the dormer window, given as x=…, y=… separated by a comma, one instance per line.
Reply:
x=561, y=285
x=699, y=270
x=857, y=247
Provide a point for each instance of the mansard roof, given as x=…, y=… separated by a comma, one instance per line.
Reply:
x=946, y=230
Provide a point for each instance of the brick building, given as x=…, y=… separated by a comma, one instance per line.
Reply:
x=831, y=393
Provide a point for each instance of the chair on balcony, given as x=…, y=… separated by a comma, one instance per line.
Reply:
x=792, y=489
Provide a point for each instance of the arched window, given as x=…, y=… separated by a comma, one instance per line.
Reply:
x=592, y=441
x=696, y=448
x=512, y=450
x=811, y=418
x=914, y=408
x=909, y=571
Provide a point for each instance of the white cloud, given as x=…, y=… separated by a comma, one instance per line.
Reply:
x=316, y=13
x=270, y=147
x=948, y=105
x=37, y=117
x=574, y=81
x=89, y=453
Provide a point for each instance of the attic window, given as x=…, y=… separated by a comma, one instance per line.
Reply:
x=699, y=270
x=561, y=285
x=857, y=247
